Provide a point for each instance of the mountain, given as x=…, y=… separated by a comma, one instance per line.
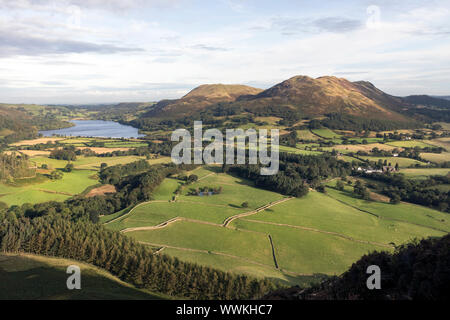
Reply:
x=429, y=101
x=200, y=98
x=300, y=95
x=324, y=95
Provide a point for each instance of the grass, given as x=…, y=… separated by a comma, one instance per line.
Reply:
x=91, y=163
x=154, y=213
x=307, y=252
x=235, y=191
x=441, y=142
x=320, y=233
x=43, y=190
x=31, y=277
x=322, y=212
x=239, y=266
x=409, y=144
x=306, y=135
x=326, y=133
x=402, y=162
x=368, y=139
x=184, y=234
x=424, y=173
x=298, y=151
x=403, y=212
x=436, y=157
x=166, y=189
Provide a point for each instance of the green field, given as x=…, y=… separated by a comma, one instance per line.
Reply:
x=306, y=135
x=402, y=212
x=326, y=133
x=44, y=189
x=436, y=157
x=317, y=234
x=44, y=278
x=402, y=162
x=298, y=151
x=420, y=173
x=92, y=163
x=409, y=144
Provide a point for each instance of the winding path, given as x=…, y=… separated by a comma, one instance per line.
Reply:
x=249, y=213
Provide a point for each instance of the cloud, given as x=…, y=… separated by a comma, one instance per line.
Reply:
x=18, y=44
x=291, y=26
x=113, y=5
x=208, y=48
x=337, y=24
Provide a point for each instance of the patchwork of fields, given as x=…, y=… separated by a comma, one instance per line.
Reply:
x=248, y=230
x=290, y=240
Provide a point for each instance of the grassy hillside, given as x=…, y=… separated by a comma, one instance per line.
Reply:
x=31, y=277
x=41, y=189
x=200, y=98
x=325, y=95
x=290, y=240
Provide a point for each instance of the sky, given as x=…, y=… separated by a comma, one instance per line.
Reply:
x=95, y=51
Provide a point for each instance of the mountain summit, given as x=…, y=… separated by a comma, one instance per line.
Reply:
x=202, y=97
x=329, y=94
x=308, y=96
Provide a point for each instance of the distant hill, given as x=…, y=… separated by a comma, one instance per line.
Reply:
x=328, y=94
x=200, y=98
x=23, y=121
x=302, y=94
x=429, y=101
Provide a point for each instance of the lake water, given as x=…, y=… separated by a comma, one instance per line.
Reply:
x=96, y=128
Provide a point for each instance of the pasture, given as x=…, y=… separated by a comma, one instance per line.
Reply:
x=297, y=151
x=42, y=190
x=409, y=144
x=424, y=173
x=402, y=162
x=326, y=133
x=436, y=157
x=88, y=163
x=38, y=277
x=291, y=241
x=306, y=135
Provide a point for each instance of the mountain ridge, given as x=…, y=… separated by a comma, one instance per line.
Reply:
x=306, y=95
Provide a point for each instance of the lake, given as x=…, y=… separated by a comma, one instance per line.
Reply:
x=96, y=128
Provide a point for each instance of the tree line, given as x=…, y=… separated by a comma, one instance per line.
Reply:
x=422, y=192
x=58, y=235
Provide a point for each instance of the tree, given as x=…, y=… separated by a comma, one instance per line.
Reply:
x=340, y=185
x=56, y=175
x=321, y=188
x=69, y=167
x=192, y=178
x=103, y=165
x=244, y=204
x=395, y=199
